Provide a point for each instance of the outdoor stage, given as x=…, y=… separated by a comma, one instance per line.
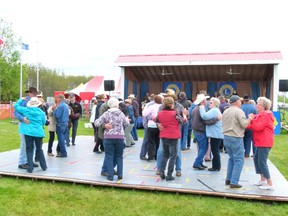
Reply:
x=82, y=166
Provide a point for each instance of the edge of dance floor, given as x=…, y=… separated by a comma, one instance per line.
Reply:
x=82, y=166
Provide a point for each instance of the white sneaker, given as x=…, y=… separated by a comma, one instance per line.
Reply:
x=266, y=187
x=260, y=183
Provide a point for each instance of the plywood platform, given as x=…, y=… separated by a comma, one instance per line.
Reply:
x=83, y=166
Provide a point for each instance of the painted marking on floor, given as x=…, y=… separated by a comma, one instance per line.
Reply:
x=73, y=162
x=147, y=166
x=131, y=171
x=8, y=164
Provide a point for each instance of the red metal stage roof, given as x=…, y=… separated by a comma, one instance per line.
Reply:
x=196, y=57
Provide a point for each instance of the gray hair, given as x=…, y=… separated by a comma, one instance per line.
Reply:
x=113, y=102
x=216, y=101
x=265, y=102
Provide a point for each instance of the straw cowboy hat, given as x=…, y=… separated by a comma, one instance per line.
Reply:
x=34, y=102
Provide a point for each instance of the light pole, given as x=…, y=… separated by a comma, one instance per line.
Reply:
x=37, y=67
x=0, y=90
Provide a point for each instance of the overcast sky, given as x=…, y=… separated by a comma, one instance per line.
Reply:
x=85, y=37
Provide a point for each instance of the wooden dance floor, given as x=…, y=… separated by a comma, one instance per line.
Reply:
x=83, y=166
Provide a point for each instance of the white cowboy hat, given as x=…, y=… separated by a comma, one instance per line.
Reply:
x=200, y=98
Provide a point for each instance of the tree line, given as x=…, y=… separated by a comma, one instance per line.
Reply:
x=50, y=80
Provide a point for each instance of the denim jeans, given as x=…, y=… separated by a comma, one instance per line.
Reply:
x=134, y=130
x=104, y=165
x=61, y=130
x=184, y=134
x=114, y=153
x=178, y=158
x=235, y=149
x=247, y=139
x=143, y=151
x=22, y=154
x=260, y=161
x=30, y=152
x=215, y=149
x=169, y=152
x=74, y=129
x=202, y=141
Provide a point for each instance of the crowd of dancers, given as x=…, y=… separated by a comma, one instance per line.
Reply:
x=233, y=125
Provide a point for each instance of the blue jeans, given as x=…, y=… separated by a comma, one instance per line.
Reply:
x=184, y=134
x=134, y=130
x=235, y=149
x=61, y=130
x=104, y=165
x=143, y=151
x=202, y=141
x=260, y=161
x=247, y=139
x=114, y=153
x=74, y=129
x=30, y=152
x=22, y=154
x=178, y=158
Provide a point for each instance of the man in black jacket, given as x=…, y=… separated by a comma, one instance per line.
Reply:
x=102, y=98
x=77, y=112
x=135, y=105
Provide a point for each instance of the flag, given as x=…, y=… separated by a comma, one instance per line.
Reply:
x=25, y=46
x=2, y=44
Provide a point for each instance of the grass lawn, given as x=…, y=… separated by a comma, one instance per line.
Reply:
x=26, y=197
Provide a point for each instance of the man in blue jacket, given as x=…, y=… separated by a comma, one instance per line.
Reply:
x=61, y=113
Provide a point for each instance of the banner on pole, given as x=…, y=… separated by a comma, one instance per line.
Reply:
x=25, y=46
x=176, y=86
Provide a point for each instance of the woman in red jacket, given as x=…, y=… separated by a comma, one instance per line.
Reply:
x=262, y=126
x=170, y=134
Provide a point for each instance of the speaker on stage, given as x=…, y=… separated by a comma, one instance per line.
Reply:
x=283, y=85
x=109, y=85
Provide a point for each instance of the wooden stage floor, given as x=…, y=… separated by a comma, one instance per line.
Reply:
x=83, y=166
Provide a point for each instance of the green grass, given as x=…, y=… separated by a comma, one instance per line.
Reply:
x=27, y=197
x=10, y=138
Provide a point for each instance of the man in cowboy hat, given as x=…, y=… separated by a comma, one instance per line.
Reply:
x=198, y=127
x=135, y=105
x=61, y=113
x=77, y=112
x=22, y=162
x=247, y=139
x=181, y=112
x=34, y=131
